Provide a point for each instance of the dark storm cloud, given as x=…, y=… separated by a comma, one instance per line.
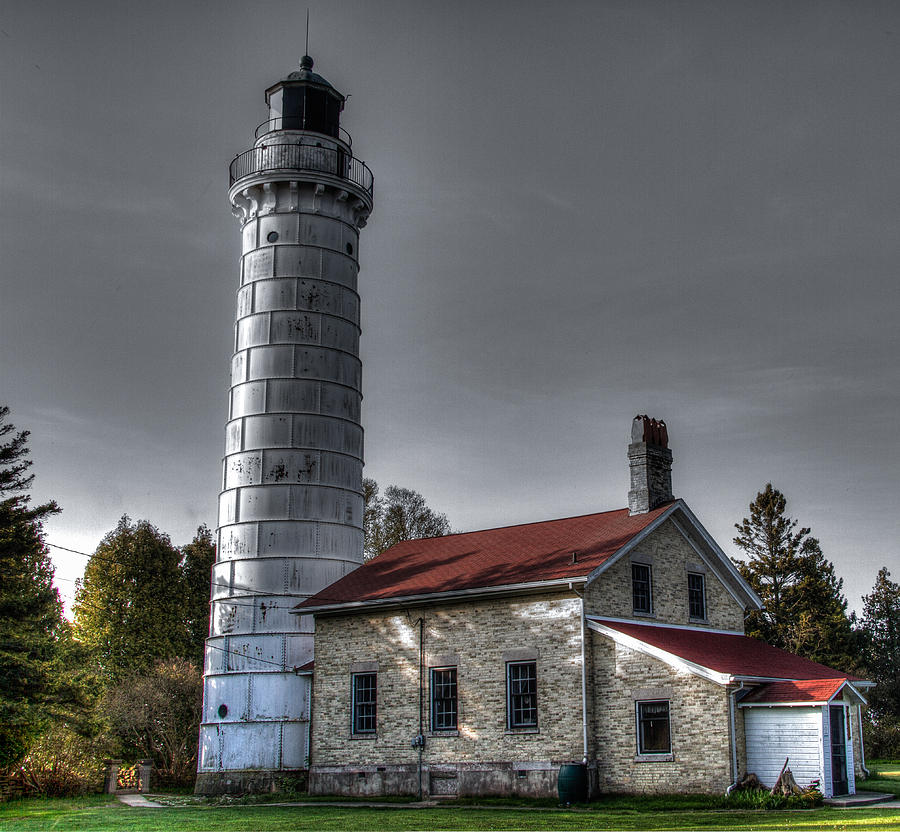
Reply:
x=583, y=210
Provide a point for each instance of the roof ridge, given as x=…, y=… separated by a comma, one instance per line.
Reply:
x=522, y=525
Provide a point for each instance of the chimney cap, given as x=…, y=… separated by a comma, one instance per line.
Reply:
x=651, y=431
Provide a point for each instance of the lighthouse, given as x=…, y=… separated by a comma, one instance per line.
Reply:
x=291, y=505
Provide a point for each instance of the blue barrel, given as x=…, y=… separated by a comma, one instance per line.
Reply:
x=572, y=785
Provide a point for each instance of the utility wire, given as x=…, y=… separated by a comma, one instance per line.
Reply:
x=102, y=559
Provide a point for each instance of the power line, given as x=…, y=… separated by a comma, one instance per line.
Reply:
x=102, y=559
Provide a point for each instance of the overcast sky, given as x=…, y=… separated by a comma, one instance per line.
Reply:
x=583, y=211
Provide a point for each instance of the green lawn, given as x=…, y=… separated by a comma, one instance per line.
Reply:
x=100, y=813
x=885, y=777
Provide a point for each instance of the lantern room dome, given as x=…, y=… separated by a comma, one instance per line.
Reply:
x=305, y=73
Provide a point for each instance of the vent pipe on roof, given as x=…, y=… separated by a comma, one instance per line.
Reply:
x=650, y=461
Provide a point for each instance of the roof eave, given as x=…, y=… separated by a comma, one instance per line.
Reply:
x=528, y=588
x=671, y=659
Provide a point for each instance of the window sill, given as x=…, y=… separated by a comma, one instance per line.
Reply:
x=639, y=614
x=654, y=758
x=364, y=736
x=453, y=732
x=534, y=730
x=698, y=621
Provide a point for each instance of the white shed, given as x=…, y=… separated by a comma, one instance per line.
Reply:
x=810, y=723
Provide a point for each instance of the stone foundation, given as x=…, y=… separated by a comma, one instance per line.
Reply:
x=498, y=779
x=250, y=781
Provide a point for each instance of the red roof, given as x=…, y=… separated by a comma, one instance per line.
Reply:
x=489, y=558
x=725, y=653
x=809, y=690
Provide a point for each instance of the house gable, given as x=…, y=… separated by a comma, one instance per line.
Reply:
x=672, y=547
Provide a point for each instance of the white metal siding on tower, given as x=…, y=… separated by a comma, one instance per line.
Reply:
x=291, y=506
x=779, y=732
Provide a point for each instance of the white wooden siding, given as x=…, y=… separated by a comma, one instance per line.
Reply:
x=776, y=733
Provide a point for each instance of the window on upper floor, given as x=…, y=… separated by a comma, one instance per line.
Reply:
x=443, y=699
x=365, y=697
x=653, y=736
x=521, y=695
x=641, y=593
x=697, y=596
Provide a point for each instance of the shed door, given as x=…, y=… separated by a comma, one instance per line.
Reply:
x=839, y=782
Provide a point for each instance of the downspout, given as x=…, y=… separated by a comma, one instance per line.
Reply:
x=734, y=760
x=862, y=749
x=421, y=738
x=584, y=713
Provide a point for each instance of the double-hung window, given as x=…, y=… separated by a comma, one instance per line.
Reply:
x=365, y=697
x=653, y=735
x=443, y=699
x=521, y=695
x=641, y=593
x=696, y=596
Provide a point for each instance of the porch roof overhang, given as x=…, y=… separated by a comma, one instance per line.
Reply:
x=721, y=656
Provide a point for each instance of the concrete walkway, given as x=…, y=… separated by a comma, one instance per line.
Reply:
x=867, y=800
x=139, y=801
x=860, y=800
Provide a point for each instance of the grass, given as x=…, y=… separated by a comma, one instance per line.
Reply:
x=98, y=813
x=884, y=776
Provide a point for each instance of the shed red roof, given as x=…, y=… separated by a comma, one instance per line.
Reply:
x=489, y=558
x=737, y=655
x=808, y=690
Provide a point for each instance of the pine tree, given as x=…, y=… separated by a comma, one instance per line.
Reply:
x=880, y=626
x=31, y=619
x=129, y=607
x=804, y=610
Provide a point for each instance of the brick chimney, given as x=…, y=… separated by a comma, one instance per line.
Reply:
x=650, y=461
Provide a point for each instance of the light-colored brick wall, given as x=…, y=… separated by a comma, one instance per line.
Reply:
x=671, y=555
x=479, y=636
x=699, y=724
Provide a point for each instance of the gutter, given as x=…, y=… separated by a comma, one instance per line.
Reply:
x=862, y=748
x=433, y=597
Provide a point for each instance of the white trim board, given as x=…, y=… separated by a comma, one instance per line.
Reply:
x=691, y=627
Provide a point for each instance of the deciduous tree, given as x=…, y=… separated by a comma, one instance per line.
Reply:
x=129, y=607
x=402, y=514
x=198, y=558
x=155, y=713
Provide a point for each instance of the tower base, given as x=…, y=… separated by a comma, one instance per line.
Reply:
x=251, y=781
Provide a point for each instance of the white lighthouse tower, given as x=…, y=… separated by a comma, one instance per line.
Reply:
x=291, y=507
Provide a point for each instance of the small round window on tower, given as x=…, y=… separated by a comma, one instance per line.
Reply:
x=272, y=236
x=349, y=248
x=223, y=711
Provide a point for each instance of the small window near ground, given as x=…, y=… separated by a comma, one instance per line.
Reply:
x=365, y=697
x=696, y=596
x=640, y=588
x=521, y=694
x=653, y=727
x=443, y=699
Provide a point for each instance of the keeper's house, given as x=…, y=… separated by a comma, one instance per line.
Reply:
x=479, y=663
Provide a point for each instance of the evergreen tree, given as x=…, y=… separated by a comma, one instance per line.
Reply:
x=31, y=619
x=880, y=627
x=198, y=558
x=129, y=607
x=402, y=514
x=804, y=609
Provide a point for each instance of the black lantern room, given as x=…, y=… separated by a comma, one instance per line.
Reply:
x=305, y=101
